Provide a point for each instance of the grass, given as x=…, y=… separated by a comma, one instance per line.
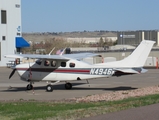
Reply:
x=34, y=110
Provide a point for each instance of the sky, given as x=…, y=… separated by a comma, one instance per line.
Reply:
x=89, y=15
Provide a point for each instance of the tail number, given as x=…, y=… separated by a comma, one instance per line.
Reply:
x=101, y=71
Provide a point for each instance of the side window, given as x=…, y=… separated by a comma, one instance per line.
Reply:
x=63, y=64
x=53, y=63
x=72, y=65
x=47, y=63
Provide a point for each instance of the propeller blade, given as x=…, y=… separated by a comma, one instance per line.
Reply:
x=12, y=73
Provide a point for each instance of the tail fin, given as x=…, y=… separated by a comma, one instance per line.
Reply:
x=137, y=58
x=140, y=54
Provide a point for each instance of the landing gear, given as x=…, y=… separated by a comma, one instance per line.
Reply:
x=29, y=87
x=68, y=86
x=49, y=88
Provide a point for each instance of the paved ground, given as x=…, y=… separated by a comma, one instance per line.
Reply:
x=15, y=89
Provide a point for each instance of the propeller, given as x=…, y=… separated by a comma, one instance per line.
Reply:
x=30, y=74
x=12, y=73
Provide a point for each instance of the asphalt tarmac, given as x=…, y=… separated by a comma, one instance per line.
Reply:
x=15, y=89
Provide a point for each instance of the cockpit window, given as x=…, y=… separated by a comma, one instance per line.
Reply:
x=53, y=63
x=47, y=63
x=39, y=62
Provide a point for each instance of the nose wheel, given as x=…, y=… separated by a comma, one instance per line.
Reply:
x=29, y=87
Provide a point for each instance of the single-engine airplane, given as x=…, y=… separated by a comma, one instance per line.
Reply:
x=69, y=67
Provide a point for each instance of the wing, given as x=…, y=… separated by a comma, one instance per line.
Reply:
x=35, y=56
x=57, y=57
x=80, y=56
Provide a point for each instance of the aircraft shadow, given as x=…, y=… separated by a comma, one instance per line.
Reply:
x=107, y=89
x=120, y=88
x=61, y=87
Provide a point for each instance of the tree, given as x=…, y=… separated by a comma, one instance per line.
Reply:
x=101, y=42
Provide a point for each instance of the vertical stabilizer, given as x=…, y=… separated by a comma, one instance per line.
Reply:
x=137, y=58
x=140, y=54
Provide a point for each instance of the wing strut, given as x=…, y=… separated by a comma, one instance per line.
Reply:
x=51, y=51
x=88, y=83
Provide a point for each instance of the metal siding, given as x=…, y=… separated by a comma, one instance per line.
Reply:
x=129, y=37
x=139, y=36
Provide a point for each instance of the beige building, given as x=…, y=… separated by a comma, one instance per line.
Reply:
x=89, y=40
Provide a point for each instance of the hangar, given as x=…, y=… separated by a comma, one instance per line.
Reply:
x=135, y=37
x=11, y=40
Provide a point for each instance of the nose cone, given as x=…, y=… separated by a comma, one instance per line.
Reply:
x=22, y=66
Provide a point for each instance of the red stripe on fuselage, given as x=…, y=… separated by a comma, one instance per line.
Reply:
x=55, y=70
x=75, y=70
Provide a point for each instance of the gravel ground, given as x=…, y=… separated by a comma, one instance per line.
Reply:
x=119, y=95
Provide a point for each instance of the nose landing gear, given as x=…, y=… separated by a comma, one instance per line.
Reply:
x=29, y=87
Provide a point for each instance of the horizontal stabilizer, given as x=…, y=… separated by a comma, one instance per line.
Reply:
x=132, y=70
x=127, y=71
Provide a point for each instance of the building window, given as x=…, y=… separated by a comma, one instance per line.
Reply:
x=3, y=37
x=3, y=16
x=17, y=5
x=18, y=34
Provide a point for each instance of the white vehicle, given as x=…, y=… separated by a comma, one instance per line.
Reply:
x=68, y=67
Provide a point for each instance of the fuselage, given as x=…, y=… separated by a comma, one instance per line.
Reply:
x=58, y=70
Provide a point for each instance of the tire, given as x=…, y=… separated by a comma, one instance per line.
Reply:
x=49, y=88
x=29, y=87
x=68, y=86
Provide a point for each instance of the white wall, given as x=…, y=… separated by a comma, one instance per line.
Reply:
x=10, y=29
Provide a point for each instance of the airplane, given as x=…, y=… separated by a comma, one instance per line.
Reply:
x=53, y=69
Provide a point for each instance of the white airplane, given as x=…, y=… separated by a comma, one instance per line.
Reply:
x=68, y=67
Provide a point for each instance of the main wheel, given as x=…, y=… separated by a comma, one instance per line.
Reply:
x=49, y=88
x=68, y=86
x=29, y=87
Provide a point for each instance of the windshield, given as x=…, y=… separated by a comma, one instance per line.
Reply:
x=39, y=62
